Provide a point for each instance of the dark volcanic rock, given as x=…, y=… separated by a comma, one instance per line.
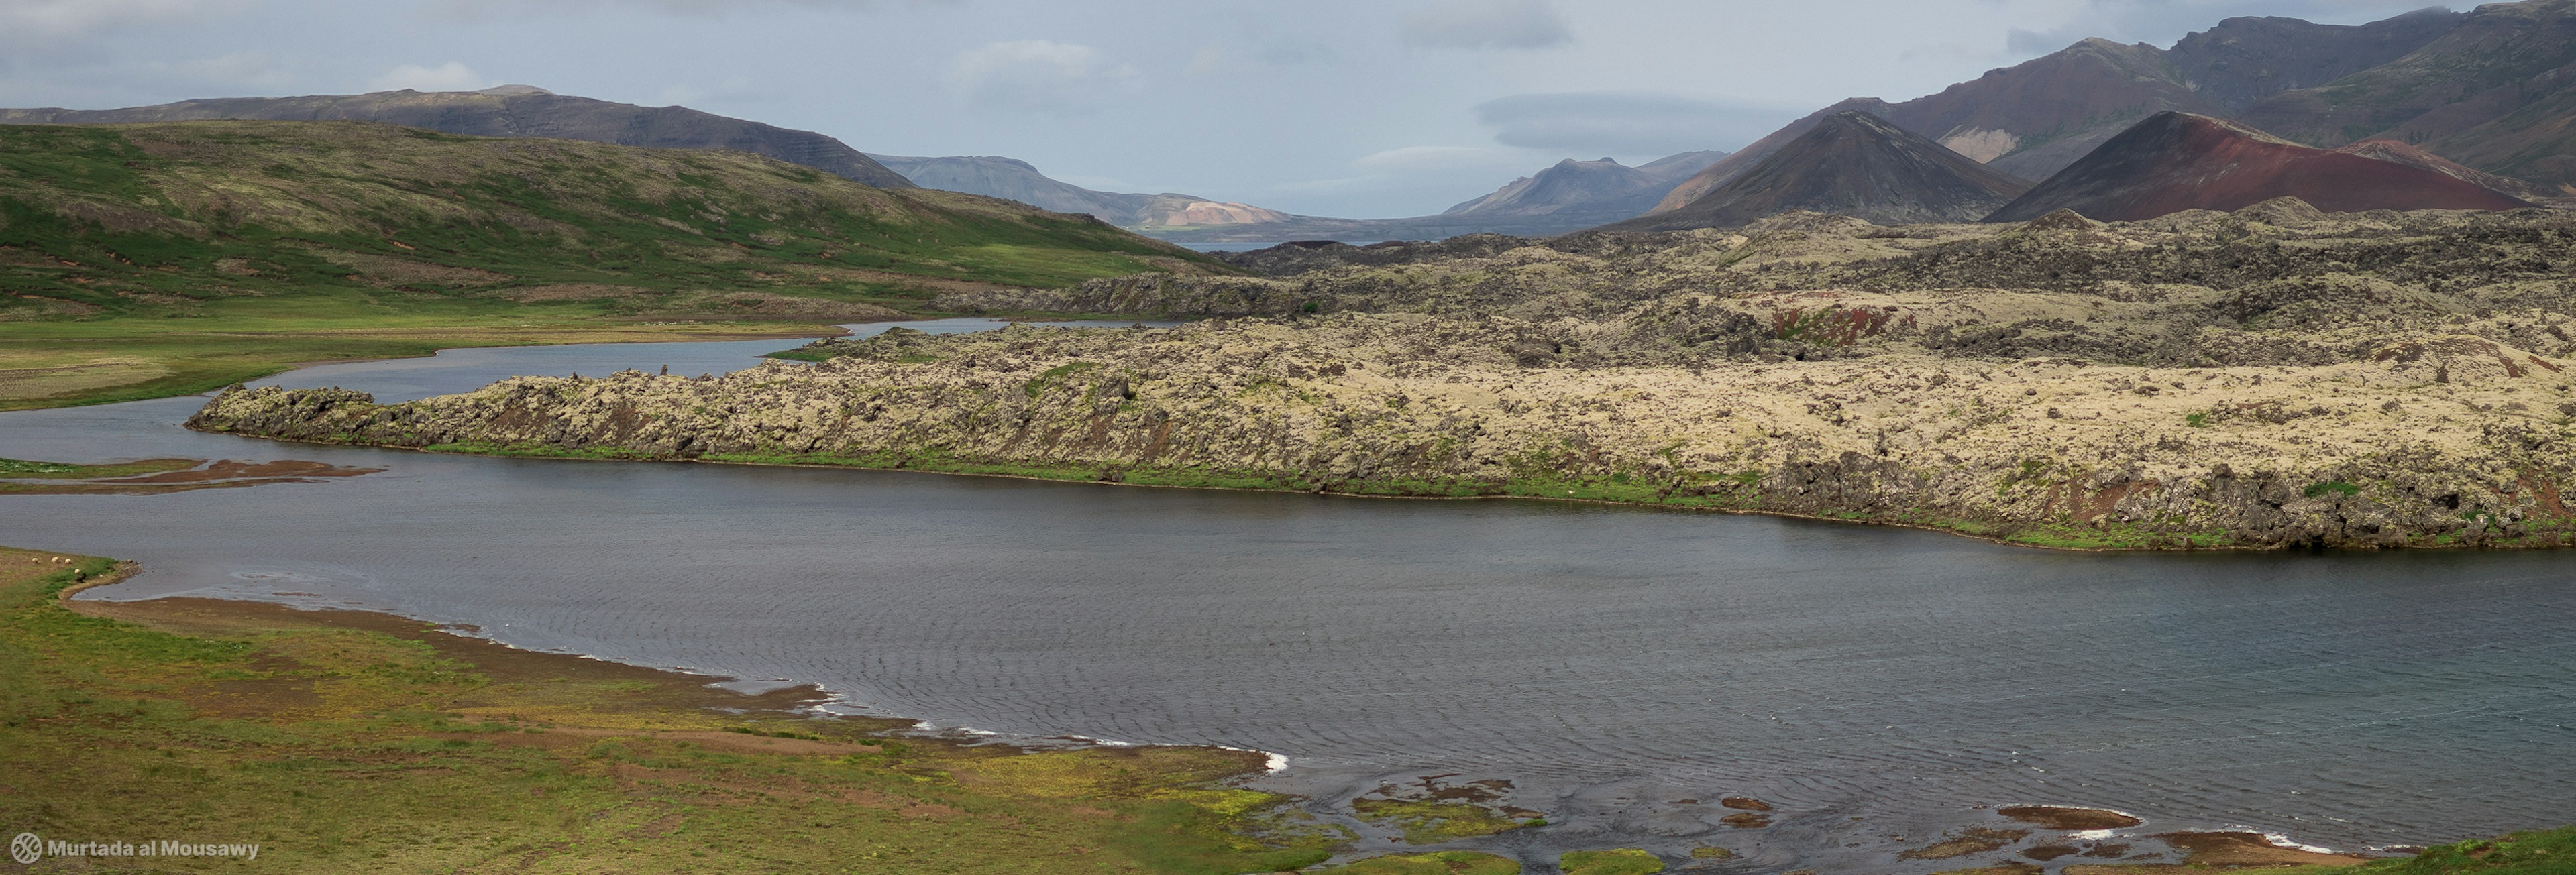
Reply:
x=2177, y=161
x=1851, y=164
x=511, y=111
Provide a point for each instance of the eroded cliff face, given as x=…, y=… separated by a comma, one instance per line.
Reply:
x=2438, y=435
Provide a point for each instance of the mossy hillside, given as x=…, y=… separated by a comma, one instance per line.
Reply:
x=353, y=742
x=145, y=260
x=199, y=210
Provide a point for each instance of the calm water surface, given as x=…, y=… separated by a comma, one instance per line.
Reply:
x=1611, y=663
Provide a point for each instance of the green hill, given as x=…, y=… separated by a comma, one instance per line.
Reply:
x=155, y=259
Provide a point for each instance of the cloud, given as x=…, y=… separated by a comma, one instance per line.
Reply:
x=56, y=18
x=1035, y=76
x=1626, y=123
x=450, y=76
x=1488, y=24
x=1434, y=157
x=238, y=68
x=733, y=88
x=479, y=10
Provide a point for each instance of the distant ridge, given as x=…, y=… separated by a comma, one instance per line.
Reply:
x=1851, y=164
x=2036, y=118
x=1604, y=187
x=510, y=111
x=2177, y=161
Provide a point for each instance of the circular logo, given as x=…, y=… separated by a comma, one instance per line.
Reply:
x=26, y=849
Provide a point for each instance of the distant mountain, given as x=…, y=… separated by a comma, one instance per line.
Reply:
x=1014, y=179
x=510, y=111
x=2178, y=161
x=1569, y=196
x=1853, y=164
x=2497, y=93
x=2034, y=119
x=1603, y=187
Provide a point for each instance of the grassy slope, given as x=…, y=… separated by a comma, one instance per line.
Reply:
x=339, y=747
x=146, y=260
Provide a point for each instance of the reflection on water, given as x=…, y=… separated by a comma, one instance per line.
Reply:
x=1612, y=663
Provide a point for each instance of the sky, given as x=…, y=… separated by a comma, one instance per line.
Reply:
x=1355, y=108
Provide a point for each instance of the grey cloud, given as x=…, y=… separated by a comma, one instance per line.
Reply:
x=1488, y=24
x=1035, y=76
x=1626, y=123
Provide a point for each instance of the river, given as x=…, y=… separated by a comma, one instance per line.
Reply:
x=1623, y=667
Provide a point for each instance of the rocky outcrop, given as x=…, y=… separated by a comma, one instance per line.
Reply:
x=2273, y=377
x=2448, y=440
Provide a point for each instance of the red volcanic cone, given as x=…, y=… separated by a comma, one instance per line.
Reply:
x=2177, y=161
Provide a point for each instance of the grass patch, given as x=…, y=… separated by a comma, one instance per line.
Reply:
x=1426, y=822
x=26, y=470
x=1623, y=861
x=1441, y=863
x=2321, y=490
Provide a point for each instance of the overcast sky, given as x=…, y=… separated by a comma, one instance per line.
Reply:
x=1362, y=108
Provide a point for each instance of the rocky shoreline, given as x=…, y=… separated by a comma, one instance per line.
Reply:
x=2354, y=381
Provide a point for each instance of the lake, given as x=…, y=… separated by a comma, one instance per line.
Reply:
x=1623, y=668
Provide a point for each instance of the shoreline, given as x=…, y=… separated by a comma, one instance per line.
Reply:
x=1091, y=476
x=805, y=702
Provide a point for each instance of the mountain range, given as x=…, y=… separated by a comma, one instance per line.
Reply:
x=2035, y=118
x=2486, y=97
x=1569, y=196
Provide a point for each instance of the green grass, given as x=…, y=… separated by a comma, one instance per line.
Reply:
x=1624, y=861
x=22, y=469
x=339, y=746
x=1427, y=822
x=140, y=261
x=2546, y=852
x=1441, y=863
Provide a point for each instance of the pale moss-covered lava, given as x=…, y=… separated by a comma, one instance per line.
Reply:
x=2275, y=377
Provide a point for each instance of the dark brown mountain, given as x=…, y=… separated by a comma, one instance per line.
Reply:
x=1852, y=164
x=511, y=111
x=2035, y=118
x=2243, y=60
x=2498, y=93
x=2178, y=161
